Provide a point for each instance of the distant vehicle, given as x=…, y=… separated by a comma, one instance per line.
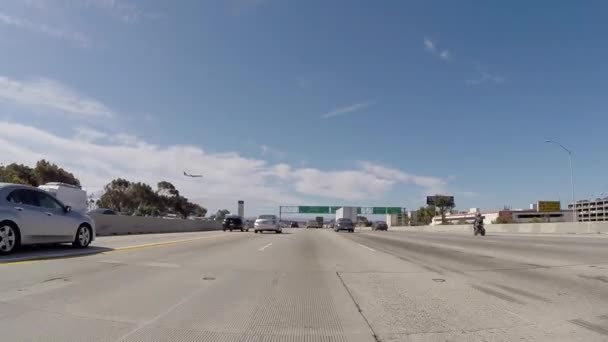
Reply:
x=267, y=223
x=347, y=213
x=101, y=211
x=30, y=215
x=170, y=217
x=294, y=224
x=68, y=194
x=196, y=218
x=379, y=225
x=344, y=224
x=320, y=221
x=312, y=224
x=234, y=223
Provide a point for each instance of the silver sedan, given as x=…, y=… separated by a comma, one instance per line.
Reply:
x=32, y=216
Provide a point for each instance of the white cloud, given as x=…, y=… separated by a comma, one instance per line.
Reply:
x=428, y=44
x=50, y=31
x=228, y=177
x=431, y=185
x=272, y=152
x=348, y=109
x=433, y=48
x=486, y=77
x=43, y=93
x=88, y=134
x=120, y=9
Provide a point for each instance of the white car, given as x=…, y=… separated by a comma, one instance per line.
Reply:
x=267, y=223
x=32, y=216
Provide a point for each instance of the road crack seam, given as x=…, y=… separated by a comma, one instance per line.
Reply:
x=374, y=335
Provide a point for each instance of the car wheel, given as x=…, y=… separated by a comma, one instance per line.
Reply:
x=255, y=231
x=280, y=232
x=83, y=237
x=230, y=229
x=242, y=230
x=10, y=238
x=247, y=230
x=224, y=229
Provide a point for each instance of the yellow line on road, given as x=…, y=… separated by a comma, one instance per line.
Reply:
x=153, y=244
x=117, y=249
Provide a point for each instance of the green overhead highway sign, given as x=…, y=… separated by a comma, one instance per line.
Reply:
x=378, y=210
x=309, y=209
x=394, y=210
x=313, y=210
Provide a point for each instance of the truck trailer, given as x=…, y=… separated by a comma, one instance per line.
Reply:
x=347, y=212
x=68, y=194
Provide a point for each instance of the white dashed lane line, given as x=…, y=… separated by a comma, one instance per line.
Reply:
x=368, y=248
x=263, y=248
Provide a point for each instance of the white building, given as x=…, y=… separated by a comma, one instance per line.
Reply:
x=516, y=216
x=591, y=210
x=396, y=220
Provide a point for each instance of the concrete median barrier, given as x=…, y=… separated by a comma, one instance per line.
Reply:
x=533, y=228
x=124, y=225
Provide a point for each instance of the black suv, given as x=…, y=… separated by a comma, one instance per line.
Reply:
x=234, y=223
x=379, y=225
x=344, y=224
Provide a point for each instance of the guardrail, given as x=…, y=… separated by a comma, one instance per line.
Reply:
x=537, y=228
x=124, y=225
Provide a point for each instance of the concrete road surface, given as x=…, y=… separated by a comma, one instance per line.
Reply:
x=315, y=285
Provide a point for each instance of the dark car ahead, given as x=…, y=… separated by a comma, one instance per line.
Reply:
x=344, y=224
x=294, y=224
x=101, y=211
x=234, y=223
x=379, y=225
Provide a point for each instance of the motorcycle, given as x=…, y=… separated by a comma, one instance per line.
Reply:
x=478, y=228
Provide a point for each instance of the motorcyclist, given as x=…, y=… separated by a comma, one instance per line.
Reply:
x=478, y=221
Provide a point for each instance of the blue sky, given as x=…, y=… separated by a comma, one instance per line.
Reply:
x=311, y=102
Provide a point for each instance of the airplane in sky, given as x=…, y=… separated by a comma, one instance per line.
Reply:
x=193, y=176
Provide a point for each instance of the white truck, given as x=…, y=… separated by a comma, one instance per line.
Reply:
x=347, y=212
x=68, y=194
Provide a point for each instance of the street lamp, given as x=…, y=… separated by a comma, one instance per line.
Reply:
x=571, y=175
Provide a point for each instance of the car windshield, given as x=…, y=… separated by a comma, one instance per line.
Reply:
x=436, y=170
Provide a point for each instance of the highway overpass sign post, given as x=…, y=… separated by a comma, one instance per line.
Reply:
x=326, y=209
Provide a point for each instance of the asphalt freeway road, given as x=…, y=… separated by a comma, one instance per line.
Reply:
x=314, y=285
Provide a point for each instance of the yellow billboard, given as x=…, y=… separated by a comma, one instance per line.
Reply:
x=546, y=206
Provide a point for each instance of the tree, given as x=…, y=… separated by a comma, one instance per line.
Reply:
x=115, y=196
x=166, y=189
x=424, y=215
x=18, y=174
x=221, y=214
x=363, y=221
x=140, y=199
x=46, y=172
x=445, y=204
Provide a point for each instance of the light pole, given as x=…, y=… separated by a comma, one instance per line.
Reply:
x=571, y=175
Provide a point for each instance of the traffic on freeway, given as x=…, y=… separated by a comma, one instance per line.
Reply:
x=303, y=171
x=313, y=285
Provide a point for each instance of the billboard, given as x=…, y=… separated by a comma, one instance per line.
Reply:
x=433, y=200
x=547, y=206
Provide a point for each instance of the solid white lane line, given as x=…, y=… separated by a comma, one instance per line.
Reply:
x=263, y=248
x=368, y=248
